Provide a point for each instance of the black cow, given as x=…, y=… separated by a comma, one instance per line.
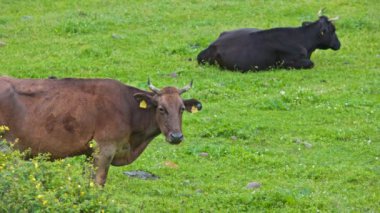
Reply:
x=254, y=49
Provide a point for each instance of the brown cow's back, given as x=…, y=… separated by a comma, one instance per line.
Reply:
x=62, y=116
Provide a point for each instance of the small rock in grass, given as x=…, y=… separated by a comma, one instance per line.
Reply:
x=186, y=182
x=2, y=44
x=173, y=75
x=297, y=140
x=234, y=138
x=199, y=191
x=195, y=46
x=141, y=175
x=25, y=18
x=253, y=185
x=203, y=154
x=307, y=145
x=300, y=141
x=117, y=36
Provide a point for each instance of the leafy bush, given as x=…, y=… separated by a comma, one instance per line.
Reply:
x=41, y=185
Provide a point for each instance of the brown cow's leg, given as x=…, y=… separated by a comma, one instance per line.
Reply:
x=102, y=163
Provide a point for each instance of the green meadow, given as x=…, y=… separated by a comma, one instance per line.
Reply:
x=310, y=139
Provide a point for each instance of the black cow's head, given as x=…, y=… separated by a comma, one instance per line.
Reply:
x=169, y=106
x=325, y=30
x=327, y=37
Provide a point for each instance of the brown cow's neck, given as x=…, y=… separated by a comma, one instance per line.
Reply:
x=142, y=127
x=145, y=127
x=143, y=134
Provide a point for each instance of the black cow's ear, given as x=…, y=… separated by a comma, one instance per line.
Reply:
x=324, y=30
x=145, y=101
x=192, y=105
x=323, y=23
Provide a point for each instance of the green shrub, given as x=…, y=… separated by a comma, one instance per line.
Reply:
x=41, y=185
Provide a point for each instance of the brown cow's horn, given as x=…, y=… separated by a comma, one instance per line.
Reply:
x=186, y=88
x=153, y=88
x=334, y=19
x=321, y=11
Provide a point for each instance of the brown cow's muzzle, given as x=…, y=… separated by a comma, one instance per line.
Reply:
x=175, y=137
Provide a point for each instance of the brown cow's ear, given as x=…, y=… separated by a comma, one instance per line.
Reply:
x=192, y=105
x=145, y=101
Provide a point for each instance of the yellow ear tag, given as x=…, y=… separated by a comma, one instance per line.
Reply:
x=194, y=109
x=143, y=104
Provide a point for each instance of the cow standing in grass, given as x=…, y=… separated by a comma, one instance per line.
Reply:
x=62, y=116
x=252, y=49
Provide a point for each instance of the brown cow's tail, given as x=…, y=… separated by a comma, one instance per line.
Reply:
x=207, y=55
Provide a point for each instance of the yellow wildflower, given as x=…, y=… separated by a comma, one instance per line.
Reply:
x=4, y=128
x=38, y=186
x=92, y=144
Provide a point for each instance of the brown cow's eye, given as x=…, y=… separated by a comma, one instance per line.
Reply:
x=162, y=110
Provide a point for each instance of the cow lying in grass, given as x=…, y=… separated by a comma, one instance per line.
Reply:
x=252, y=49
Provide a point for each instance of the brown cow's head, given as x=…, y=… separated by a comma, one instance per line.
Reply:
x=169, y=106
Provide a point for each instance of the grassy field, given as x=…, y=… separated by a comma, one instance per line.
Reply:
x=311, y=138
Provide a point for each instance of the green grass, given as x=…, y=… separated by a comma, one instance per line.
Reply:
x=249, y=124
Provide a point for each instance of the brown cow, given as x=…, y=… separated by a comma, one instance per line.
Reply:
x=61, y=117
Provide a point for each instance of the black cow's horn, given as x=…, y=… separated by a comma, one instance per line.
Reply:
x=186, y=88
x=321, y=11
x=153, y=88
x=334, y=19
